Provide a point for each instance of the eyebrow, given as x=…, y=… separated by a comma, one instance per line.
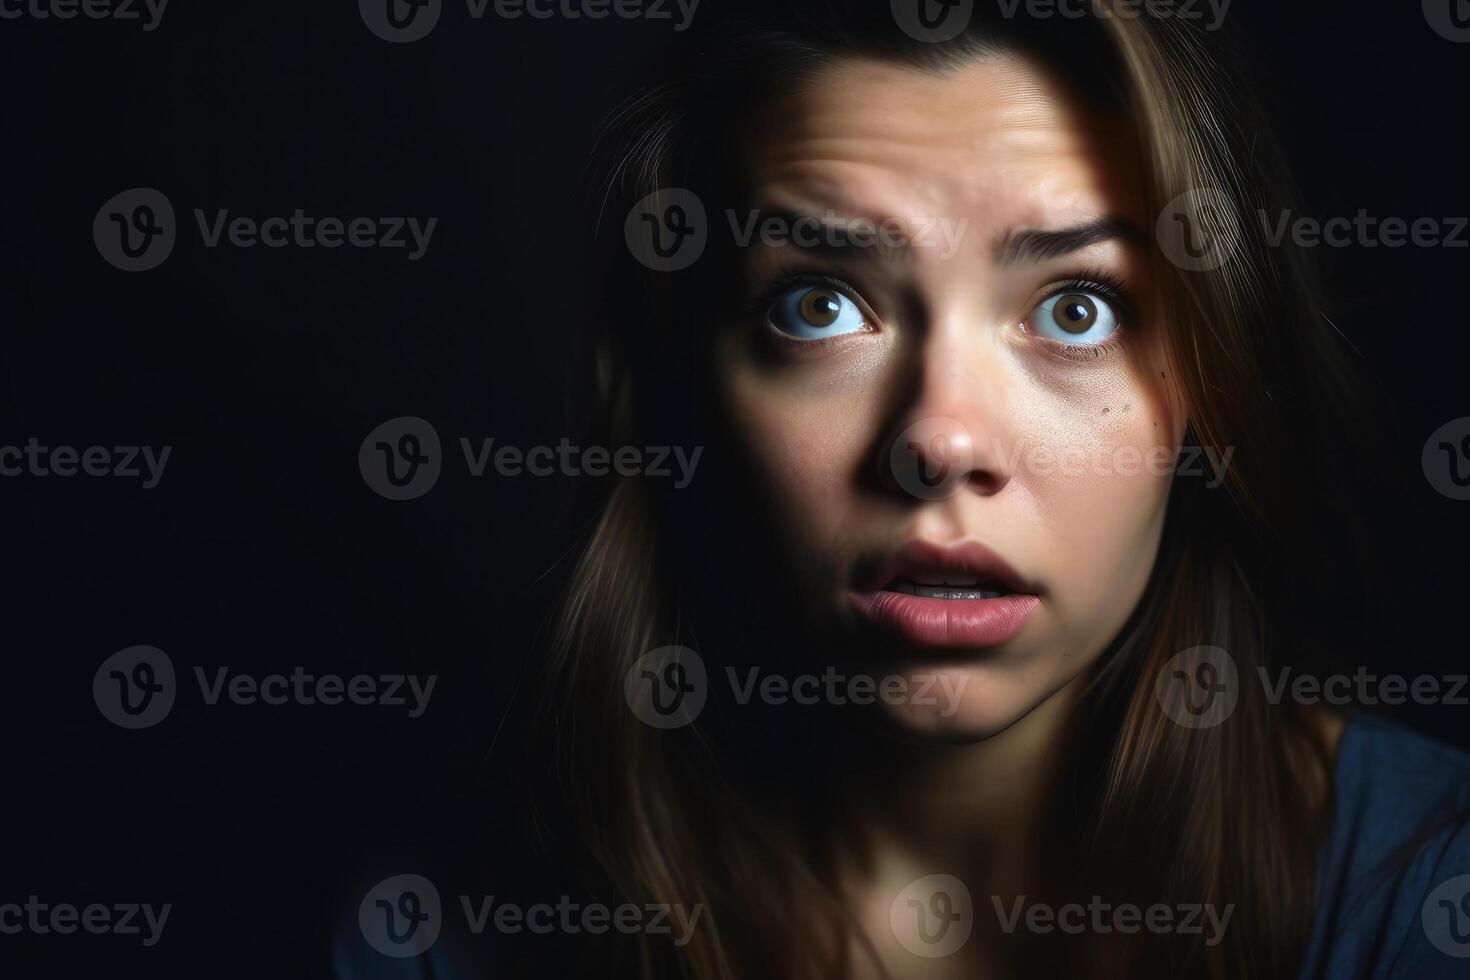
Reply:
x=1013, y=248
x=1030, y=245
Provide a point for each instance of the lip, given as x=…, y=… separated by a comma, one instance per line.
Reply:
x=947, y=623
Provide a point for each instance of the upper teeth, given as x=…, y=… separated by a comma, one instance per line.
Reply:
x=946, y=591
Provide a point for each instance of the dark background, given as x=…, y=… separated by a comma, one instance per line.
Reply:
x=262, y=548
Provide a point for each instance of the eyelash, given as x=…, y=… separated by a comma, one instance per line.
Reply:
x=765, y=301
x=772, y=291
x=1111, y=288
x=1107, y=285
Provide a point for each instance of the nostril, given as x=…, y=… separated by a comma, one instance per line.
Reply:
x=938, y=457
x=986, y=482
x=932, y=458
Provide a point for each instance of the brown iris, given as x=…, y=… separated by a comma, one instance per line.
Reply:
x=1075, y=313
x=820, y=307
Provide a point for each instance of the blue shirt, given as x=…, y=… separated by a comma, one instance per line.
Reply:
x=1394, y=875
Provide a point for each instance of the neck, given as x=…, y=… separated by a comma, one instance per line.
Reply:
x=974, y=810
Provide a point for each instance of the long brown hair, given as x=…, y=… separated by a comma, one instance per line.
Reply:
x=1228, y=815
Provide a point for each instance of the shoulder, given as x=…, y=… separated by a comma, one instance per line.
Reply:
x=1394, y=872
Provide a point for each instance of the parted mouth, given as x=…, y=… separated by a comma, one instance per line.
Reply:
x=959, y=571
x=947, y=590
x=961, y=596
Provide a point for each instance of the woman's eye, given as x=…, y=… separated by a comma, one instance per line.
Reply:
x=1074, y=317
x=816, y=312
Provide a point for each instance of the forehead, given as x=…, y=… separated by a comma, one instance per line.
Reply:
x=1000, y=141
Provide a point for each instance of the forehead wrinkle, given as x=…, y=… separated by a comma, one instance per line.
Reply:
x=854, y=134
x=1003, y=97
x=851, y=188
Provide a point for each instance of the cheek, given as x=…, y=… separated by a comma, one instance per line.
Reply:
x=806, y=440
x=1097, y=475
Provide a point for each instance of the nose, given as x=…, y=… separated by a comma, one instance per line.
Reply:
x=955, y=419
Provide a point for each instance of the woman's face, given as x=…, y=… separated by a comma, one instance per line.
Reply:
x=949, y=381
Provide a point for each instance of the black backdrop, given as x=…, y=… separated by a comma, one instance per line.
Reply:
x=263, y=549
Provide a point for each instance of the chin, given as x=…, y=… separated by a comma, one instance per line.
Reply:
x=958, y=703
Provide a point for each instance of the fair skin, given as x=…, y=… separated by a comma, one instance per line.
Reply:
x=1053, y=429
